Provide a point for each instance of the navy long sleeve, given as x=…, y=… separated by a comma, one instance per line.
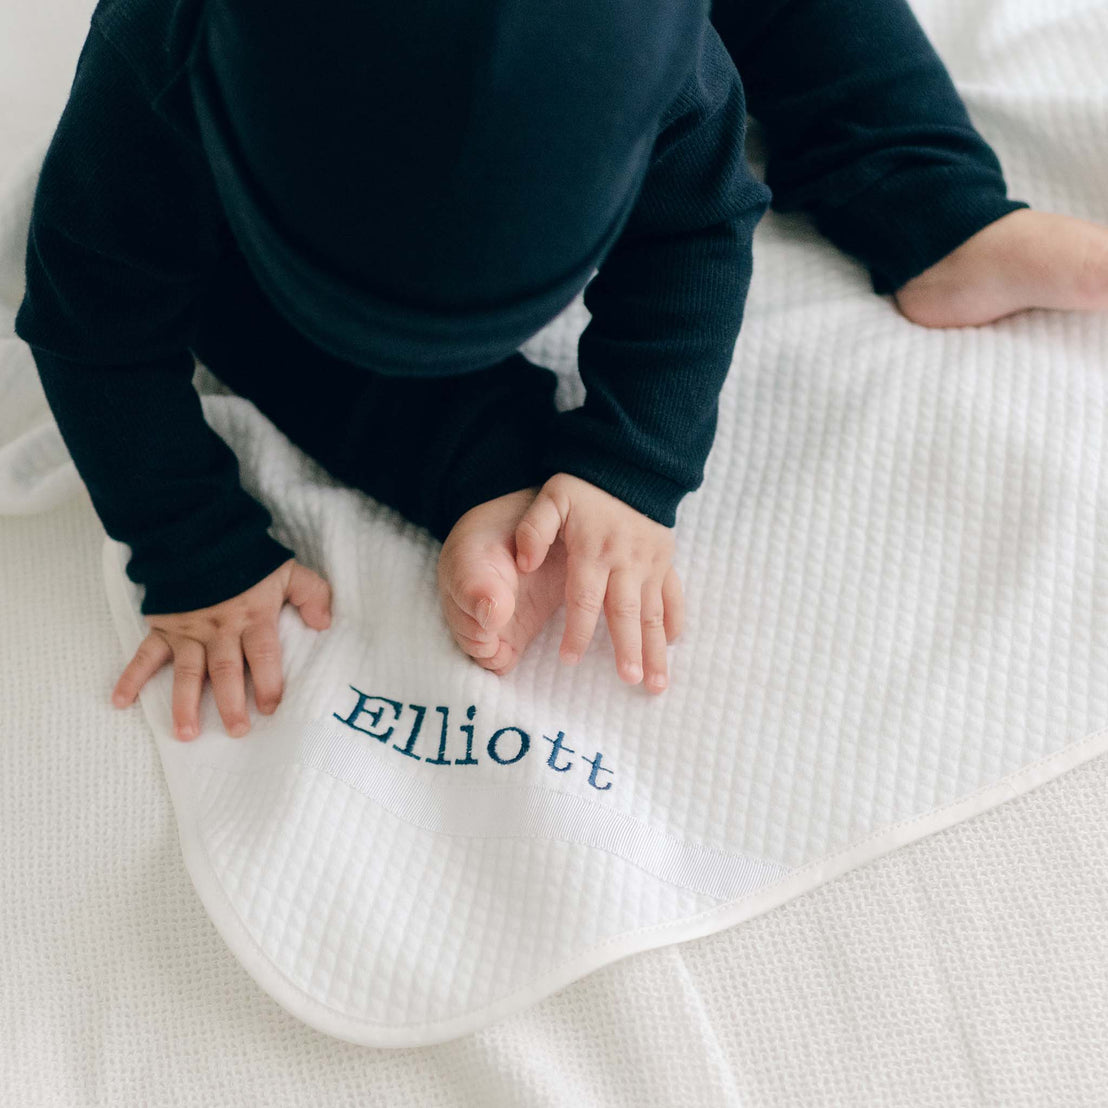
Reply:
x=864, y=129
x=123, y=230
x=667, y=305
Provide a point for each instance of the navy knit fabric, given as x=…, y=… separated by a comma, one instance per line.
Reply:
x=421, y=187
x=187, y=205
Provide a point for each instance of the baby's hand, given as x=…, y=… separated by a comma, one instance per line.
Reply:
x=213, y=640
x=616, y=559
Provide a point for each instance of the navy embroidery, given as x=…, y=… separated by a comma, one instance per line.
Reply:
x=506, y=746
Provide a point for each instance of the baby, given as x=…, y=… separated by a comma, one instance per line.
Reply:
x=355, y=213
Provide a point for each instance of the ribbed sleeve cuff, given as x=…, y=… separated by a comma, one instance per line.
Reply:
x=906, y=222
x=241, y=559
x=648, y=492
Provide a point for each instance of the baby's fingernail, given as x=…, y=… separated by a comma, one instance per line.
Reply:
x=484, y=610
x=658, y=681
x=119, y=700
x=634, y=673
x=186, y=732
x=237, y=730
x=571, y=658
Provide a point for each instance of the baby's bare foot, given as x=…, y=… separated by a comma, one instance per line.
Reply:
x=1026, y=259
x=492, y=610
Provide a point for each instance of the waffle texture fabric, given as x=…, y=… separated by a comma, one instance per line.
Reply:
x=964, y=970
x=888, y=615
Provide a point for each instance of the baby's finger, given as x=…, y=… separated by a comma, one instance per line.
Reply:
x=536, y=532
x=152, y=654
x=586, y=585
x=188, y=679
x=311, y=596
x=228, y=684
x=262, y=648
x=674, y=600
x=479, y=649
x=623, y=608
x=654, y=637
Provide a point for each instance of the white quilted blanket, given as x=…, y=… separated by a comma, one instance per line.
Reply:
x=894, y=577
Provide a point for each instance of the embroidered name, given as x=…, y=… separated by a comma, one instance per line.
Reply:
x=505, y=746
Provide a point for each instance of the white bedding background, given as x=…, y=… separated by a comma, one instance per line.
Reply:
x=964, y=969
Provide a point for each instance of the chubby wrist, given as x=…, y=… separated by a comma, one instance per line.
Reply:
x=654, y=495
